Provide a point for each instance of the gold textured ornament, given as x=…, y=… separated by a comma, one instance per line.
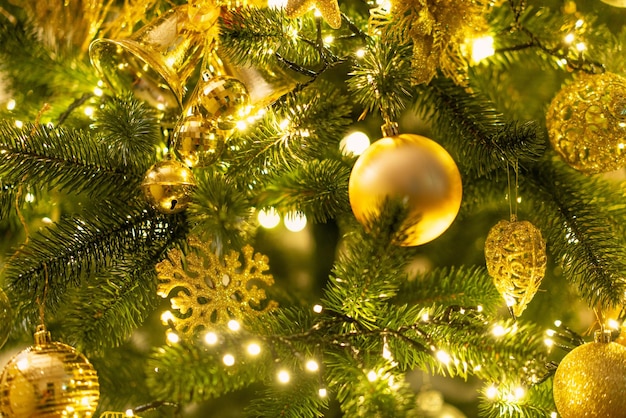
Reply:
x=515, y=253
x=168, y=186
x=590, y=381
x=210, y=290
x=198, y=142
x=437, y=29
x=223, y=99
x=48, y=380
x=616, y=3
x=586, y=123
x=5, y=318
x=329, y=9
x=412, y=168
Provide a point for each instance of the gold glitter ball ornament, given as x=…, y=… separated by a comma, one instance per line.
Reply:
x=515, y=253
x=412, y=168
x=5, y=318
x=586, y=123
x=590, y=381
x=198, y=142
x=329, y=9
x=168, y=186
x=48, y=380
x=224, y=99
x=208, y=290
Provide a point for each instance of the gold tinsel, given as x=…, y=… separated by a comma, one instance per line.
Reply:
x=209, y=290
x=515, y=253
x=438, y=30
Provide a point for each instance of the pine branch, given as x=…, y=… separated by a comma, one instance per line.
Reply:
x=317, y=188
x=298, y=399
x=579, y=232
x=76, y=248
x=58, y=158
x=537, y=403
x=474, y=132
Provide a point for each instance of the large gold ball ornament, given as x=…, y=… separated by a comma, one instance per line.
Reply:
x=198, y=142
x=168, y=186
x=515, y=254
x=590, y=381
x=587, y=123
x=223, y=99
x=5, y=318
x=616, y=3
x=48, y=380
x=414, y=169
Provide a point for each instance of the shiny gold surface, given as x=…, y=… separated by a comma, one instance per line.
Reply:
x=168, y=186
x=412, y=168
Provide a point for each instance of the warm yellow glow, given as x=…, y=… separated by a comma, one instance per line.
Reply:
x=277, y=4
x=241, y=125
x=425, y=316
x=579, y=23
x=477, y=368
x=268, y=218
x=166, y=317
x=519, y=393
x=46, y=220
x=130, y=413
x=228, y=360
x=360, y=53
x=479, y=308
x=569, y=38
x=254, y=349
x=491, y=392
x=30, y=198
x=549, y=342
x=498, y=331
x=322, y=393
x=172, y=337
x=329, y=39
x=11, y=104
x=482, y=48
x=210, y=338
x=317, y=13
x=372, y=376
x=354, y=143
x=317, y=308
x=295, y=222
x=312, y=366
x=283, y=376
x=443, y=357
x=19, y=124
x=612, y=323
x=557, y=323
x=284, y=124
x=98, y=91
x=553, y=415
x=234, y=325
x=22, y=364
x=580, y=46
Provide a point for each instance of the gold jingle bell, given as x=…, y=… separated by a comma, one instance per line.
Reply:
x=156, y=62
x=48, y=379
x=168, y=186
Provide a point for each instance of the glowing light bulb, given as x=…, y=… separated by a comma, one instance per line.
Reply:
x=549, y=342
x=557, y=323
x=360, y=53
x=30, y=198
x=210, y=338
x=318, y=308
x=482, y=48
x=580, y=46
x=443, y=357
x=519, y=393
x=277, y=4
x=354, y=143
x=283, y=376
x=234, y=325
x=228, y=360
x=268, y=218
x=130, y=413
x=11, y=104
x=166, y=317
x=98, y=91
x=19, y=124
x=491, y=392
x=322, y=392
x=295, y=222
x=612, y=323
x=498, y=331
x=372, y=376
x=329, y=39
x=172, y=337
x=284, y=124
x=254, y=349
x=312, y=366
x=569, y=38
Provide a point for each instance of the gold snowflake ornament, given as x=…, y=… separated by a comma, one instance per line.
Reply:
x=208, y=290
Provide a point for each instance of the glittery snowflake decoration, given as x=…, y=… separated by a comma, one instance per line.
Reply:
x=208, y=290
x=437, y=29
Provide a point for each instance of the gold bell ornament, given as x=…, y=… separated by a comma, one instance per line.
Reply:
x=515, y=254
x=5, y=318
x=210, y=118
x=586, y=123
x=168, y=186
x=49, y=379
x=590, y=380
x=412, y=168
x=156, y=62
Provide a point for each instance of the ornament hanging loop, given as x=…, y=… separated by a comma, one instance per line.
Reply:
x=513, y=190
x=390, y=129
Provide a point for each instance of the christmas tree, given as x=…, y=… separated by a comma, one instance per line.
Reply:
x=312, y=209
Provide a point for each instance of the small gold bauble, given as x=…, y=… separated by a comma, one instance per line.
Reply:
x=515, y=253
x=5, y=318
x=587, y=123
x=591, y=382
x=412, y=168
x=223, y=99
x=198, y=142
x=168, y=186
x=48, y=380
